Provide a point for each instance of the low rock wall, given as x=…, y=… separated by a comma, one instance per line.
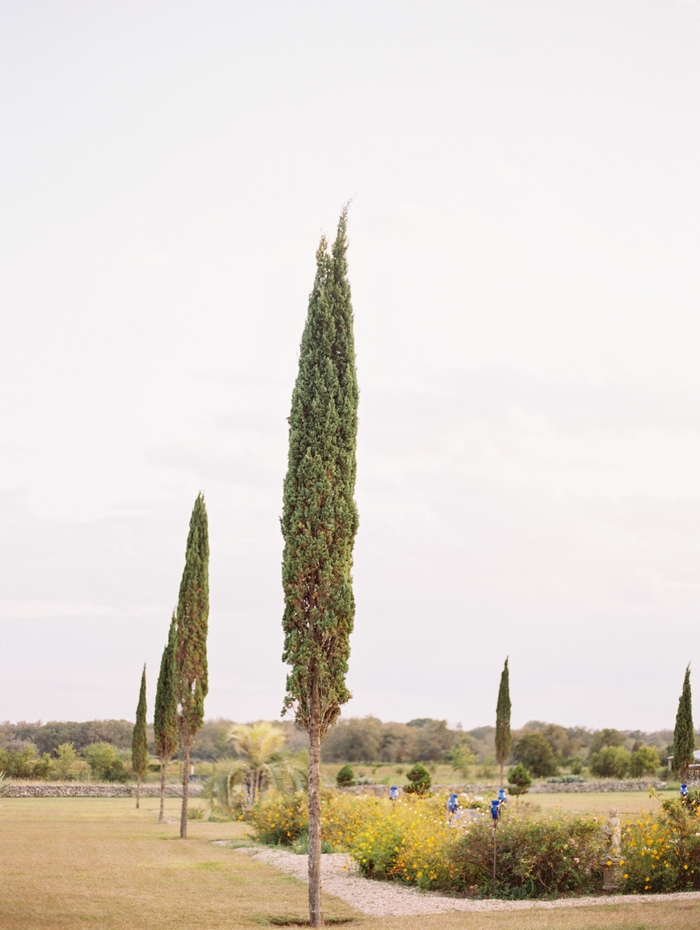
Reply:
x=572, y=787
x=580, y=787
x=40, y=790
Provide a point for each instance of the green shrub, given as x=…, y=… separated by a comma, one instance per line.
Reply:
x=419, y=780
x=24, y=763
x=611, y=762
x=105, y=763
x=542, y=857
x=645, y=761
x=62, y=765
x=519, y=780
x=345, y=777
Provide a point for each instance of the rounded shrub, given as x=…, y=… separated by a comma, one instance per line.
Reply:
x=419, y=780
x=345, y=777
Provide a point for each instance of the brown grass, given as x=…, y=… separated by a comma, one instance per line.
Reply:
x=71, y=863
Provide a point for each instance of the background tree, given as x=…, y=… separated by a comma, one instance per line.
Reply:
x=536, y=754
x=66, y=759
x=683, y=734
x=610, y=762
x=191, y=652
x=139, y=740
x=319, y=524
x=262, y=761
x=645, y=761
x=165, y=717
x=503, y=737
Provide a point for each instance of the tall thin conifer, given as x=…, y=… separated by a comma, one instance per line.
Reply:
x=683, y=733
x=319, y=524
x=191, y=652
x=165, y=717
x=139, y=740
x=503, y=736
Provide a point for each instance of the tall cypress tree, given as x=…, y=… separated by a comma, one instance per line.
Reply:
x=191, y=652
x=165, y=717
x=683, y=734
x=503, y=736
x=139, y=740
x=319, y=524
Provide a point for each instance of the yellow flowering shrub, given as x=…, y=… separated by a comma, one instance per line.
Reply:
x=408, y=840
x=280, y=819
x=661, y=852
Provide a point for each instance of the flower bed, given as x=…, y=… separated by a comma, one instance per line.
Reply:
x=412, y=841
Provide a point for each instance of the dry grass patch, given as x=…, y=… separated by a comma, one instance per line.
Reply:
x=600, y=802
x=70, y=863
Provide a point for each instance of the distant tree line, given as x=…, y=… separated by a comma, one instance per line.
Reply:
x=544, y=748
x=47, y=737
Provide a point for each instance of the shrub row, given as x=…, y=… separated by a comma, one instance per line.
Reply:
x=412, y=841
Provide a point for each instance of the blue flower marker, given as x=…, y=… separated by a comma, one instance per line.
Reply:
x=502, y=796
x=684, y=790
x=495, y=808
x=393, y=793
x=452, y=803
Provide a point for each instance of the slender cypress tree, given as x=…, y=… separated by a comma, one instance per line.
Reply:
x=191, y=652
x=139, y=740
x=165, y=717
x=503, y=737
x=683, y=734
x=319, y=524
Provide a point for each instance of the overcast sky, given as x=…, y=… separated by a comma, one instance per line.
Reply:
x=524, y=242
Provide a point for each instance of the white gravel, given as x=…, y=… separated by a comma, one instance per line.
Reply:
x=386, y=899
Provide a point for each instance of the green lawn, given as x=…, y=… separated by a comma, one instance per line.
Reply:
x=70, y=863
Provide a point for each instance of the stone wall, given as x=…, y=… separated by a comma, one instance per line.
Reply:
x=42, y=790
x=577, y=787
x=574, y=787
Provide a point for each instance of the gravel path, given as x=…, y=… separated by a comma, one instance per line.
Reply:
x=386, y=899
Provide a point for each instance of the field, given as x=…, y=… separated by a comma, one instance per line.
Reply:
x=72, y=863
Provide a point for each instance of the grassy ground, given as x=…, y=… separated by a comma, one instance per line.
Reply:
x=70, y=863
x=626, y=802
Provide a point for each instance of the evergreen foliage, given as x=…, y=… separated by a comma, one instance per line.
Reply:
x=519, y=780
x=345, y=777
x=139, y=741
x=319, y=522
x=191, y=650
x=419, y=780
x=683, y=734
x=165, y=718
x=503, y=736
x=536, y=754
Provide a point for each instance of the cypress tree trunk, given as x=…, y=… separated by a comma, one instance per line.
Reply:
x=185, y=788
x=503, y=734
x=161, y=815
x=315, y=910
x=319, y=524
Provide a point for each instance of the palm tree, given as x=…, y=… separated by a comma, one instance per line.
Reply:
x=260, y=762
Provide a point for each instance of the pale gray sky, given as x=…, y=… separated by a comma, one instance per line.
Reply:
x=524, y=242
